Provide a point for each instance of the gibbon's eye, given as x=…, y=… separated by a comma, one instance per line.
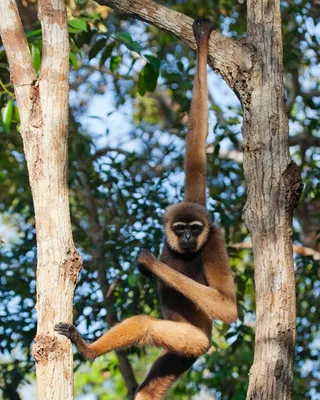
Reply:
x=196, y=228
x=179, y=228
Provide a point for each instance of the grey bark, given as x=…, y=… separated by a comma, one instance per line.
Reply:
x=43, y=106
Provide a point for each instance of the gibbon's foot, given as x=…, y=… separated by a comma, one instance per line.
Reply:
x=142, y=259
x=201, y=27
x=67, y=330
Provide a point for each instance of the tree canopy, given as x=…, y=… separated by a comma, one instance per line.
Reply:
x=130, y=90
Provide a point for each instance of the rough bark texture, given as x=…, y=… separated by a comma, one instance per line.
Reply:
x=43, y=106
x=274, y=187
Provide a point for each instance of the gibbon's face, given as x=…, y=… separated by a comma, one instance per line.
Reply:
x=187, y=227
x=188, y=234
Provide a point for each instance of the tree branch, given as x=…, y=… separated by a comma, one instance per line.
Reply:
x=108, y=149
x=16, y=46
x=226, y=56
x=305, y=141
x=301, y=250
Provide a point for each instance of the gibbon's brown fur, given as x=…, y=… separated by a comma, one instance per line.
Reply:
x=194, y=278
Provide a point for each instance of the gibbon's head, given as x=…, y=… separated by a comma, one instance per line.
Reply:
x=187, y=226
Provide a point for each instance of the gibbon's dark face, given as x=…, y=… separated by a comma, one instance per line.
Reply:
x=187, y=227
x=187, y=234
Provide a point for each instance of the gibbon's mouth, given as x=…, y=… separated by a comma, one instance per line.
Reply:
x=188, y=246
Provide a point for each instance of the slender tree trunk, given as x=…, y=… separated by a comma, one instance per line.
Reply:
x=274, y=187
x=43, y=106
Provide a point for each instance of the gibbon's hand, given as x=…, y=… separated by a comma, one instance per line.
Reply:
x=67, y=330
x=142, y=262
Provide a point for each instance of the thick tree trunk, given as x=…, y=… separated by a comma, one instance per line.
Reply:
x=43, y=106
x=274, y=187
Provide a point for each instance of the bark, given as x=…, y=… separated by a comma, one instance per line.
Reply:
x=274, y=186
x=43, y=106
x=253, y=69
x=301, y=250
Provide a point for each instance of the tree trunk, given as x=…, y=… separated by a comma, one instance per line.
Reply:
x=43, y=106
x=274, y=187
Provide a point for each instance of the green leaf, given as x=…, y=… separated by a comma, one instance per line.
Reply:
x=16, y=114
x=78, y=25
x=141, y=84
x=35, y=33
x=96, y=48
x=134, y=46
x=6, y=114
x=154, y=61
x=127, y=40
x=150, y=77
x=132, y=279
x=125, y=37
x=114, y=62
x=106, y=53
x=73, y=60
x=36, y=58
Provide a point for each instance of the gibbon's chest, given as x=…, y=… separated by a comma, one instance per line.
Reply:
x=190, y=265
x=175, y=306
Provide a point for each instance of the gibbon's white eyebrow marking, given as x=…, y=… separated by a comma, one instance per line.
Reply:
x=179, y=223
x=188, y=223
x=195, y=223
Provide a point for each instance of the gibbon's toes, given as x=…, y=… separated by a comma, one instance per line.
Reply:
x=201, y=27
x=67, y=330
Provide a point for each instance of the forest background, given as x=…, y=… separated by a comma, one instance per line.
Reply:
x=130, y=91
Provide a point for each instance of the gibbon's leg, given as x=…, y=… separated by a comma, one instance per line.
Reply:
x=162, y=375
x=195, y=157
x=217, y=302
x=178, y=337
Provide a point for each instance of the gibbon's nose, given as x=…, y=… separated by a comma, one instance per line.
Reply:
x=188, y=235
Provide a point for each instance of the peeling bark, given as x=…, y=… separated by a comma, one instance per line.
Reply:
x=274, y=186
x=43, y=106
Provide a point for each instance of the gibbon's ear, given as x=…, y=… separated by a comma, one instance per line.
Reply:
x=195, y=157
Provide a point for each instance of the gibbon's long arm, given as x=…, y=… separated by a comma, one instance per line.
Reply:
x=195, y=157
x=217, y=302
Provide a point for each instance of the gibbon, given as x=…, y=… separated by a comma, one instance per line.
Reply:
x=194, y=277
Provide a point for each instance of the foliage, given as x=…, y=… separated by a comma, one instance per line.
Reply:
x=121, y=183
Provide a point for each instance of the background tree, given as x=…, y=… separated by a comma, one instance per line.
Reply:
x=124, y=163
x=43, y=108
